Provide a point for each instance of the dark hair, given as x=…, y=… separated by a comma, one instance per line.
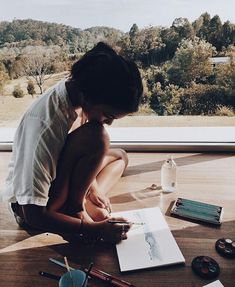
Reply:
x=104, y=77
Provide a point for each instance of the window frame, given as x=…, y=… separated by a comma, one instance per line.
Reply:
x=143, y=139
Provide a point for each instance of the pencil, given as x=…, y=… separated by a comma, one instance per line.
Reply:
x=68, y=269
x=125, y=222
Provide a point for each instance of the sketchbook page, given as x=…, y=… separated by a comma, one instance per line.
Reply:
x=148, y=245
x=216, y=283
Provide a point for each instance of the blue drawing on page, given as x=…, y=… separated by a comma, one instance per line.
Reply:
x=154, y=249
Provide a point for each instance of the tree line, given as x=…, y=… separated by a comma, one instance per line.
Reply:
x=175, y=64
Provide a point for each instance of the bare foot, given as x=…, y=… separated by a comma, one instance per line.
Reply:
x=84, y=216
x=95, y=212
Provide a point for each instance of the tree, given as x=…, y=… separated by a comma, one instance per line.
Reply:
x=3, y=80
x=146, y=87
x=228, y=34
x=171, y=40
x=203, y=32
x=133, y=33
x=197, y=25
x=31, y=31
x=215, y=32
x=225, y=73
x=85, y=41
x=183, y=27
x=8, y=58
x=191, y=62
x=143, y=45
x=37, y=63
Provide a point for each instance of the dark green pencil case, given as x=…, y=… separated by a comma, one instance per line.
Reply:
x=197, y=211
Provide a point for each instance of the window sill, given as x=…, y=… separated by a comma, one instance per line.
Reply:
x=158, y=138
x=174, y=139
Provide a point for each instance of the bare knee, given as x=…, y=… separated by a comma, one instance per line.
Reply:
x=90, y=137
x=97, y=136
x=100, y=137
x=122, y=155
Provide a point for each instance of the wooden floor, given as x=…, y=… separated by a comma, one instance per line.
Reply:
x=206, y=177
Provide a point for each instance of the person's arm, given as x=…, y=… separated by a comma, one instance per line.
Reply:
x=42, y=218
x=52, y=221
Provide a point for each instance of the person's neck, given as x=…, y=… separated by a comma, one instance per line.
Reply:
x=73, y=93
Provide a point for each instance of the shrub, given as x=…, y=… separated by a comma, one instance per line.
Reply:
x=18, y=92
x=58, y=67
x=224, y=111
x=144, y=109
x=31, y=88
x=204, y=99
x=166, y=101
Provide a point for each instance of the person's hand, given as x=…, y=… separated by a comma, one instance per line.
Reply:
x=100, y=200
x=109, y=232
x=114, y=232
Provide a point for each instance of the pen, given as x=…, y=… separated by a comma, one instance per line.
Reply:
x=109, y=278
x=126, y=223
x=49, y=275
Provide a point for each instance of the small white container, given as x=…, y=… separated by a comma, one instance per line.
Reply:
x=168, y=175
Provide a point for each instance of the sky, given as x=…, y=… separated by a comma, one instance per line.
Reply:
x=120, y=14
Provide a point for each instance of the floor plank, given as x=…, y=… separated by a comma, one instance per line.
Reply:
x=208, y=177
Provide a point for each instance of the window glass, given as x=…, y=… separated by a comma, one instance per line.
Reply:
x=185, y=52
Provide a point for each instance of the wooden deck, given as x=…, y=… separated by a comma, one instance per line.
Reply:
x=208, y=177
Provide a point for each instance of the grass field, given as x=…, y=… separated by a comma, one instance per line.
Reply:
x=11, y=110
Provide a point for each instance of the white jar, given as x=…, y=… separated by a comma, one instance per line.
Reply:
x=168, y=175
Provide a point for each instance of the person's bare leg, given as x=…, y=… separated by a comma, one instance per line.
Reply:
x=113, y=166
x=78, y=166
x=112, y=169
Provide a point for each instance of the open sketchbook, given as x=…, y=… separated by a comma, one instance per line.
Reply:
x=148, y=245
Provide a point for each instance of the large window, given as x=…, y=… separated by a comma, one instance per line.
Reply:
x=185, y=52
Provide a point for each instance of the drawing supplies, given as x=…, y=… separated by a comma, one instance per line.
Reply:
x=225, y=247
x=79, y=276
x=79, y=279
x=150, y=245
x=125, y=223
x=87, y=273
x=108, y=278
x=66, y=264
x=196, y=210
x=205, y=267
x=49, y=275
x=98, y=274
x=59, y=263
x=68, y=269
